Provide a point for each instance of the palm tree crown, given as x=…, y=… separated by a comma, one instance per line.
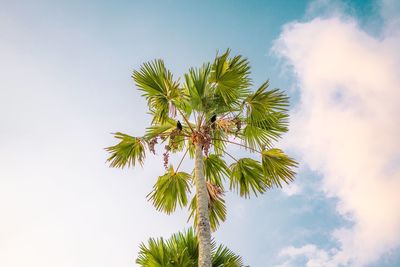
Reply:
x=225, y=112
x=213, y=109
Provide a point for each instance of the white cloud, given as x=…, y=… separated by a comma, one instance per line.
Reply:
x=346, y=127
x=318, y=257
x=292, y=189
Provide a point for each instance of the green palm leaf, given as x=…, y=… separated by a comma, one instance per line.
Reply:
x=215, y=169
x=128, y=152
x=266, y=116
x=159, y=88
x=217, y=211
x=274, y=125
x=255, y=137
x=155, y=254
x=161, y=129
x=230, y=78
x=247, y=176
x=224, y=257
x=181, y=250
x=278, y=167
x=262, y=102
x=170, y=189
x=218, y=135
x=198, y=88
x=185, y=246
x=216, y=207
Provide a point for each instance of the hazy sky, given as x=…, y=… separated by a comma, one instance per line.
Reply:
x=65, y=85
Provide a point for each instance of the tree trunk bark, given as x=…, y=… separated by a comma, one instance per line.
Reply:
x=203, y=220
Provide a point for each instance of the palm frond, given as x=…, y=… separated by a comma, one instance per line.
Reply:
x=224, y=257
x=185, y=246
x=216, y=208
x=215, y=169
x=159, y=88
x=218, y=135
x=170, y=189
x=247, y=176
x=161, y=129
x=197, y=87
x=263, y=101
x=274, y=124
x=230, y=78
x=155, y=254
x=266, y=116
x=128, y=152
x=255, y=137
x=181, y=250
x=278, y=167
x=262, y=132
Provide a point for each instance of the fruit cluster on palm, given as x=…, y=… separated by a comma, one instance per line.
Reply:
x=213, y=109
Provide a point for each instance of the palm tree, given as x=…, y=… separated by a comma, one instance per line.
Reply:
x=181, y=250
x=202, y=117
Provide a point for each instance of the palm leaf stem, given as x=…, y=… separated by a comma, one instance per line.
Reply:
x=201, y=119
x=184, y=155
x=232, y=157
x=239, y=144
x=230, y=111
x=186, y=120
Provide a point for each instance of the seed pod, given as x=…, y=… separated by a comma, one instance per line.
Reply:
x=166, y=159
x=152, y=143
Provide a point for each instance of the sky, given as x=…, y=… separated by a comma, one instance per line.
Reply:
x=65, y=85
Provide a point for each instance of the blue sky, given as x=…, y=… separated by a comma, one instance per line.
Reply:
x=65, y=85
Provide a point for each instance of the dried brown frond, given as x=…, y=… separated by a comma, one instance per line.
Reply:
x=214, y=192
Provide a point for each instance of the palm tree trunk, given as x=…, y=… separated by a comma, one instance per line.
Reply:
x=203, y=220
